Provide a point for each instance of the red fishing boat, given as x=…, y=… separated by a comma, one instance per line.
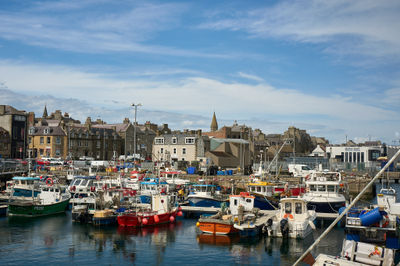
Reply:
x=162, y=211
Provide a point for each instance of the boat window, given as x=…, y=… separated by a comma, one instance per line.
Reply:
x=45, y=189
x=321, y=188
x=235, y=202
x=90, y=182
x=77, y=182
x=298, y=208
x=258, y=189
x=110, y=194
x=57, y=190
x=248, y=200
x=331, y=188
x=313, y=188
x=84, y=182
x=263, y=189
x=288, y=207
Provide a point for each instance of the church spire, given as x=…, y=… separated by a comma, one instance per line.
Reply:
x=45, y=115
x=214, y=124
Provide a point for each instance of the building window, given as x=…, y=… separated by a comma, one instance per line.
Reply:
x=189, y=140
x=362, y=157
x=98, y=144
x=183, y=150
x=41, y=151
x=159, y=140
x=161, y=150
x=32, y=131
x=48, y=140
x=41, y=140
x=58, y=140
x=174, y=150
x=30, y=140
x=58, y=153
x=46, y=131
x=174, y=140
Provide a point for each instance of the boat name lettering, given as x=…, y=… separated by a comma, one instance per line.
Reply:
x=39, y=208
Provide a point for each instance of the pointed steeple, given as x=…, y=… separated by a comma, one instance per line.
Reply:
x=214, y=124
x=45, y=112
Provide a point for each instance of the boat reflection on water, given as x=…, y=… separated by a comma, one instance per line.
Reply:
x=217, y=240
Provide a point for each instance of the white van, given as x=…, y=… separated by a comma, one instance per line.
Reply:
x=300, y=170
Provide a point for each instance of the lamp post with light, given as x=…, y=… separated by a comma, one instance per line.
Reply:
x=134, y=129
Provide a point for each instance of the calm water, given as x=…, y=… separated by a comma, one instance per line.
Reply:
x=56, y=240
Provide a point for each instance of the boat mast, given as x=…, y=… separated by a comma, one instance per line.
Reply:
x=346, y=210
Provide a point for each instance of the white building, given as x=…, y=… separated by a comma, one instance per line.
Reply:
x=355, y=154
x=187, y=146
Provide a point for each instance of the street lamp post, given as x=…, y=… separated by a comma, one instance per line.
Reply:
x=134, y=128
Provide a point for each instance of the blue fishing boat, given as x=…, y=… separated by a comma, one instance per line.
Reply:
x=205, y=195
x=151, y=186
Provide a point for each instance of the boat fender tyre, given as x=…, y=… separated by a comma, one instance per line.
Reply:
x=269, y=222
x=284, y=226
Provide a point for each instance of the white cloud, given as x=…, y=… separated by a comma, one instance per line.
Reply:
x=249, y=76
x=197, y=96
x=361, y=26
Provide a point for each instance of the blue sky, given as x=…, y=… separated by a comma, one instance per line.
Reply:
x=329, y=67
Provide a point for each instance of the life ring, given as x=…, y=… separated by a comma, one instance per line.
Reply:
x=49, y=182
x=288, y=215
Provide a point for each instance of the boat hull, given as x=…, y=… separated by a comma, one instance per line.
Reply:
x=3, y=210
x=33, y=210
x=264, y=203
x=104, y=220
x=326, y=206
x=216, y=228
x=138, y=220
x=198, y=201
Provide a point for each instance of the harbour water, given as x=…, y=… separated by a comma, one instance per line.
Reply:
x=55, y=240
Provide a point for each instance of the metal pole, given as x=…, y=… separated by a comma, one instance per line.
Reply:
x=134, y=129
x=347, y=209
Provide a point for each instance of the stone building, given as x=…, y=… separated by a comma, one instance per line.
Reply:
x=47, y=140
x=229, y=153
x=180, y=146
x=5, y=143
x=15, y=123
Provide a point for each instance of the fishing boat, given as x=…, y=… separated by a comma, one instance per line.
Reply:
x=293, y=220
x=173, y=179
x=205, y=195
x=265, y=194
x=162, y=210
x=358, y=254
x=30, y=197
x=325, y=192
x=240, y=218
x=151, y=186
x=376, y=224
x=83, y=207
x=104, y=217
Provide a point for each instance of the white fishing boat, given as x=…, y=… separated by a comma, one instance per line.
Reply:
x=357, y=254
x=325, y=192
x=293, y=220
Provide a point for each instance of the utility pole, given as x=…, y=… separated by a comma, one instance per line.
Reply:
x=134, y=129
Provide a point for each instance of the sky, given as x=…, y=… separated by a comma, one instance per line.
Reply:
x=331, y=68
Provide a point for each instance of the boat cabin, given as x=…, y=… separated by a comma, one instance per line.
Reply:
x=243, y=201
x=293, y=208
x=203, y=189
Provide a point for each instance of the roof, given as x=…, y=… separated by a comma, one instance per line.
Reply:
x=53, y=131
x=179, y=137
x=25, y=178
x=240, y=141
x=9, y=110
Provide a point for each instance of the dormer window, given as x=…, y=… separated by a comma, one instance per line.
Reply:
x=31, y=130
x=189, y=140
x=174, y=140
x=46, y=130
x=159, y=140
